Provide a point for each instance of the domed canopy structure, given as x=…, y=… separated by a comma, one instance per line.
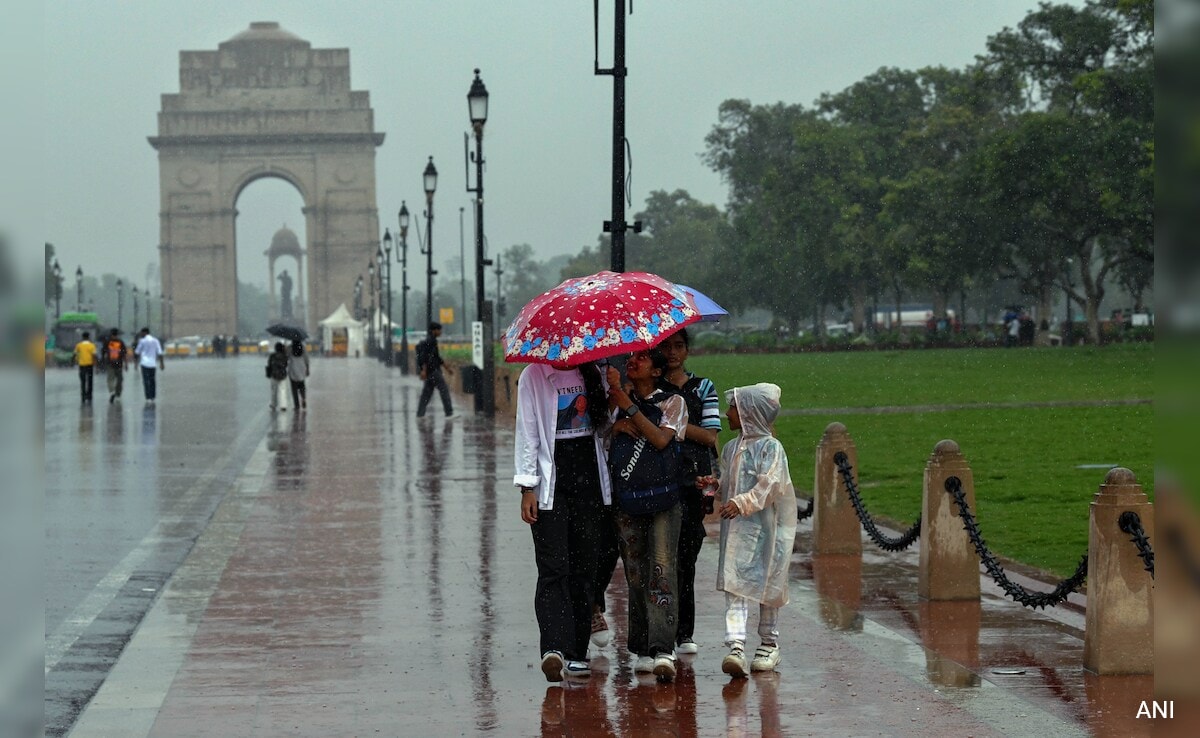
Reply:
x=284, y=243
x=265, y=31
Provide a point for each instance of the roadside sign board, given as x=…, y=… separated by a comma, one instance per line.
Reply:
x=477, y=343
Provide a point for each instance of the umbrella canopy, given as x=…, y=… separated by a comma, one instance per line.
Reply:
x=710, y=311
x=594, y=317
x=290, y=332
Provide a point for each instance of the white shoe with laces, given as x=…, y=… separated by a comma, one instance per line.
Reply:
x=644, y=665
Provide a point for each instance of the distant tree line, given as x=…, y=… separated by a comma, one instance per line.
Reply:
x=1035, y=164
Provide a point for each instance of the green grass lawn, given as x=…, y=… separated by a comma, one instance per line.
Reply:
x=1032, y=499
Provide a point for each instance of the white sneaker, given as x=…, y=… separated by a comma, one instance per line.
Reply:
x=578, y=670
x=552, y=666
x=735, y=663
x=766, y=658
x=687, y=646
x=664, y=667
x=644, y=665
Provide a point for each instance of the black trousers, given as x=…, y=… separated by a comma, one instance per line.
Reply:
x=435, y=380
x=691, y=538
x=85, y=381
x=149, y=383
x=608, y=555
x=565, y=543
x=299, y=392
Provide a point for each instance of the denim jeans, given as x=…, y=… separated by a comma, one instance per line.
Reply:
x=649, y=549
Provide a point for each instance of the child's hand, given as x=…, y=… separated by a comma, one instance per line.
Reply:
x=705, y=481
x=730, y=510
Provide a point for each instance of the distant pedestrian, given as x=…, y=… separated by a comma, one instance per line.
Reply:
x=1013, y=332
x=430, y=364
x=84, y=356
x=297, y=372
x=116, y=354
x=237, y=345
x=150, y=357
x=277, y=372
x=758, y=526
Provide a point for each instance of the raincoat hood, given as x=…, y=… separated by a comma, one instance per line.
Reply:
x=757, y=405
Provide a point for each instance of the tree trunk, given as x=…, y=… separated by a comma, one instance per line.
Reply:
x=899, y=317
x=858, y=298
x=940, y=303
x=1093, y=292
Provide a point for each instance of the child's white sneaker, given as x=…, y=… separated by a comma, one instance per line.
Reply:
x=766, y=658
x=664, y=667
x=687, y=646
x=644, y=665
x=735, y=663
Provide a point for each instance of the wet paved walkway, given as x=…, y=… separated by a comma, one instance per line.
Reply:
x=367, y=574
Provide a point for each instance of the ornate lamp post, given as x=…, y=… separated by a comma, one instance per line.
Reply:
x=499, y=293
x=134, y=290
x=387, y=257
x=371, y=315
x=403, y=254
x=358, y=298
x=58, y=280
x=382, y=267
x=429, y=180
x=477, y=105
x=79, y=289
x=120, y=301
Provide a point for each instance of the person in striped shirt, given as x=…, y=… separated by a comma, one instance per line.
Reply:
x=699, y=458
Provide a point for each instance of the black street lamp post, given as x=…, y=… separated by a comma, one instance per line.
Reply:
x=147, y=293
x=162, y=314
x=403, y=219
x=617, y=226
x=79, y=289
x=477, y=106
x=499, y=293
x=384, y=263
x=358, y=298
x=58, y=280
x=134, y=290
x=120, y=302
x=371, y=315
x=429, y=180
x=387, y=248
x=462, y=270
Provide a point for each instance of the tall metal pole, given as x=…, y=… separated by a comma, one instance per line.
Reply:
x=79, y=289
x=403, y=218
x=120, y=302
x=462, y=272
x=371, y=315
x=499, y=294
x=485, y=401
x=147, y=307
x=430, y=178
x=58, y=280
x=617, y=226
x=388, y=258
x=135, y=308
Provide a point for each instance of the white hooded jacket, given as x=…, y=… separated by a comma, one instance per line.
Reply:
x=756, y=546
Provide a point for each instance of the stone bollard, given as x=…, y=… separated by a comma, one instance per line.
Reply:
x=835, y=526
x=949, y=568
x=1119, y=626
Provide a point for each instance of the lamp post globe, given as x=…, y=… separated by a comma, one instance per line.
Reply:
x=477, y=103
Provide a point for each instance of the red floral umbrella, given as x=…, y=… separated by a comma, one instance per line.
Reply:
x=597, y=316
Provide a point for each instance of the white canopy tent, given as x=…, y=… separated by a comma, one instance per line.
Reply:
x=339, y=326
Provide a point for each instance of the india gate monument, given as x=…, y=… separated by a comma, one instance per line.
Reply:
x=264, y=104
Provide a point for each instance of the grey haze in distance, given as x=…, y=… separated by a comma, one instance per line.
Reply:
x=548, y=136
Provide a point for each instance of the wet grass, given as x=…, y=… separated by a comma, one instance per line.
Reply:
x=1031, y=496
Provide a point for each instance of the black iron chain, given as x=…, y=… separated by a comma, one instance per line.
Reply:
x=1131, y=523
x=1012, y=589
x=864, y=517
x=806, y=511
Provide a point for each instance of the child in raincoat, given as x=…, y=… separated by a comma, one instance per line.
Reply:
x=758, y=526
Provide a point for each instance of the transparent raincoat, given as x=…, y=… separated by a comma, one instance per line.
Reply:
x=756, y=546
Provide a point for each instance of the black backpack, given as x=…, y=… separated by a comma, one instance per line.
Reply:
x=645, y=480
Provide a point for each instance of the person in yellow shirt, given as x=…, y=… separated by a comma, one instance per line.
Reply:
x=85, y=357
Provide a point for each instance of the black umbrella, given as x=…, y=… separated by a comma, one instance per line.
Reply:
x=290, y=332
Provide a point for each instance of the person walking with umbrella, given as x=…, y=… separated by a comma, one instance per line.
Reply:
x=297, y=372
x=562, y=472
x=430, y=363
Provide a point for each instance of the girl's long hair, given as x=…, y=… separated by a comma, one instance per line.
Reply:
x=596, y=396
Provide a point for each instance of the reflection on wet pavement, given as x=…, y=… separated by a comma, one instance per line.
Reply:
x=383, y=584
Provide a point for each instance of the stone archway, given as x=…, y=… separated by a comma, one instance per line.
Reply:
x=264, y=104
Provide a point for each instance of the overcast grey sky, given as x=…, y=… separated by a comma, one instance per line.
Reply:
x=547, y=141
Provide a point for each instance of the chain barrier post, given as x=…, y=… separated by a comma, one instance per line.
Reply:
x=835, y=526
x=1119, y=624
x=949, y=566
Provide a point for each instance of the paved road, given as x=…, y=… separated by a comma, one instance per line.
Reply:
x=354, y=571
